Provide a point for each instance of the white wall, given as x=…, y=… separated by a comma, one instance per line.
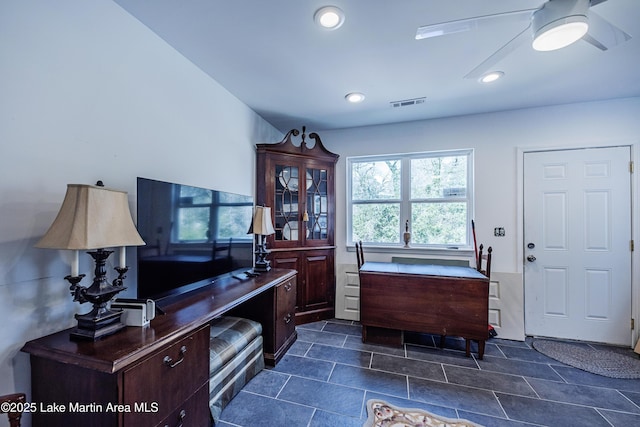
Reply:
x=496, y=139
x=88, y=93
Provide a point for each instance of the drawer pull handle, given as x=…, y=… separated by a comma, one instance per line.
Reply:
x=169, y=361
x=287, y=318
x=181, y=417
x=287, y=286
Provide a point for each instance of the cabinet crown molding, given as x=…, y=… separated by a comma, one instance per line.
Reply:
x=305, y=148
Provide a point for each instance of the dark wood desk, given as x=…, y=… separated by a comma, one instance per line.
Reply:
x=436, y=299
x=126, y=380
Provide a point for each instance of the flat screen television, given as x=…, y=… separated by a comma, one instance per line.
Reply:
x=193, y=235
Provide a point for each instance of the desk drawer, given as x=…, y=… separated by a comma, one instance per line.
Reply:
x=285, y=311
x=166, y=379
x=194, y=412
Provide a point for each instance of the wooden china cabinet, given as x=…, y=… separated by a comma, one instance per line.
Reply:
x=298, y=182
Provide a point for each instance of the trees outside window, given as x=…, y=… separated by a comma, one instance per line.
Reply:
x=432, y=191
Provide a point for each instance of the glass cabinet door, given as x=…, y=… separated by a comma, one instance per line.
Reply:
x=317, y=213
x=286, y=212
x=301, y=203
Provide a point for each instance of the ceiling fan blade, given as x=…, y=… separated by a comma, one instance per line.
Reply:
x=603, y=34
x=468, y=24
x=500, y=54
x=595, y=2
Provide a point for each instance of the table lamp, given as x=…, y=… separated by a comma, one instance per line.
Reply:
x=94, y=218
x=262, y=226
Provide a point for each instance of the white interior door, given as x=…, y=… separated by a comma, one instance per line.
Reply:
x=577, y=234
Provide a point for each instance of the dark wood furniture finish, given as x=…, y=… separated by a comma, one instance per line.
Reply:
x=437, y=299
x=16, y=403
x=276, y=312
x=298, y=183
x=359, y=254
x=486, y=270
x=163, y=368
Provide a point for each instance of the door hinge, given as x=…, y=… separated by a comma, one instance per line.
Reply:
x=631, y=167
x=632, y=245
x=633, y=324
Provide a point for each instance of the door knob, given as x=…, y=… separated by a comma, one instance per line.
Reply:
x=531, y=258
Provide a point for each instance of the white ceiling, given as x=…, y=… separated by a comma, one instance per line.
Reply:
x=271, y=55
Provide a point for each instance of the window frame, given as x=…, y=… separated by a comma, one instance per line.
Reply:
x=405, y=197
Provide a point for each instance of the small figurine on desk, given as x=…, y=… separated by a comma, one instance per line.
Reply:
x=407, y=235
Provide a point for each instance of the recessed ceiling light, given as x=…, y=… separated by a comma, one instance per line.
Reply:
x=329, y=17
x=354, y=97
x=491, y=77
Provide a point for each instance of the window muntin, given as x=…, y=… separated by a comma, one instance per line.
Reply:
x=431, y=190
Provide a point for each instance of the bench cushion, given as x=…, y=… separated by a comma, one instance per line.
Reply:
x=229, y=336
x=235, y=357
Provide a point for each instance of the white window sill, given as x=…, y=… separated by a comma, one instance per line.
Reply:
x=461, y=252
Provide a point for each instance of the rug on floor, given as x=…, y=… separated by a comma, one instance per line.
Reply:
x=608, y=363
x=383, y=414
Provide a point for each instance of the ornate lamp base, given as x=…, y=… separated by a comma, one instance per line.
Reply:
x=262, y=264
x=90, y=328
x=100, y=321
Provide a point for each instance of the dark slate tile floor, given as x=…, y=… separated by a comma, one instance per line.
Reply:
x=328, y=375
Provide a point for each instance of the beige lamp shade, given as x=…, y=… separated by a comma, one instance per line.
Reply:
x=92, y=217
x=261, y=223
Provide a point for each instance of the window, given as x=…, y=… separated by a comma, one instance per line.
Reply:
x=431, y=193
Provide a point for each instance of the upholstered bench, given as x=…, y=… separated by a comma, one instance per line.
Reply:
x=235, y=357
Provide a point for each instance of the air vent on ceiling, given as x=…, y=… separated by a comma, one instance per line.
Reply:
x=407, y=102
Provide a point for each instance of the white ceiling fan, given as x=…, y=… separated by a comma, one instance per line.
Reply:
x=556, y=24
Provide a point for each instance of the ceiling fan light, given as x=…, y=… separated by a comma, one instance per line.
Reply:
x=329, y=17
x=560, y=33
